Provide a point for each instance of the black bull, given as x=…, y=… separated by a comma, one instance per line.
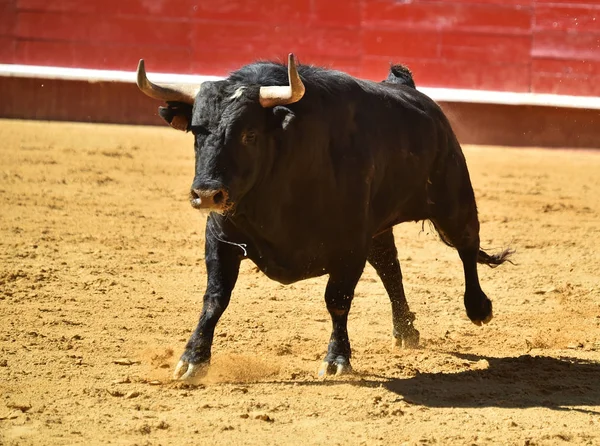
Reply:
x=313, y=184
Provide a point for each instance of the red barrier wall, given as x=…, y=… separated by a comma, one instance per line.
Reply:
x=515, y=45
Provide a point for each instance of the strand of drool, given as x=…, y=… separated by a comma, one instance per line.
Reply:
x=240, y=245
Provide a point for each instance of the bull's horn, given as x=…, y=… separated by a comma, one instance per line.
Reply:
x=276, y=95
x=168, y=92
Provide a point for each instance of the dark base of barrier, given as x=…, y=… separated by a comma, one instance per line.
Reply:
x=122, y=103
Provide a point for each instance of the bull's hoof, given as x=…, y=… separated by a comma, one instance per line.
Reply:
x=480, y=322
x=408, y=339
x=186, y=371
x=337, y=366
x=481, y=312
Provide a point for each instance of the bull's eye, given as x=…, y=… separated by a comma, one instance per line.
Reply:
x=248, y=137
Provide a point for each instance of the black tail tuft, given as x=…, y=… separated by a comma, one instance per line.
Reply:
x=495, y=259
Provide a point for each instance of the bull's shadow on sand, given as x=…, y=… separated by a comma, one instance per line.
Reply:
x=512, y=382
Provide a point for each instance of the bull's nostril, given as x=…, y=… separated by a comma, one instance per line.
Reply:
x=208, y=198
x=218, y=197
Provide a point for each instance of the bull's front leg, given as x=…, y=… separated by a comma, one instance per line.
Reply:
x=222, y=267
x=338, y=298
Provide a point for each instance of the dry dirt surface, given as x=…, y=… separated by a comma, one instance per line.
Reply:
x=102, y=276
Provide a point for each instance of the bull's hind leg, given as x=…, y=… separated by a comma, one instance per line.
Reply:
x=383, y=256
x=338, y=298
x=461, y=230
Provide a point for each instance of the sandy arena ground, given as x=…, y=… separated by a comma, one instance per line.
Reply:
x=102, y=275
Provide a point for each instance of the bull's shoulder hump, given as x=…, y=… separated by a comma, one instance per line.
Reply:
x=399, y=92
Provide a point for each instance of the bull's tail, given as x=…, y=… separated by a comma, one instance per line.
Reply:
x=491, y=260
x=495, y=259
x=400, y=74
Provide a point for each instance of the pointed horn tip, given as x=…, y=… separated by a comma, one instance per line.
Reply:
x=141, y=73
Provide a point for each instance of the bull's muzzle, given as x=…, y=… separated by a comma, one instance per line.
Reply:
x=216, y=199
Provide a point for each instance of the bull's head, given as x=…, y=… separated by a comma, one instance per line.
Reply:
x=233, y=127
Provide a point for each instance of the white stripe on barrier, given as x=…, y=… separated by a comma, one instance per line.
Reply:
x=84, y=74
x=438, y=94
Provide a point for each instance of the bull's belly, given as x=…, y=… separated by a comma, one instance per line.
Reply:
x=306, y=246
x=290, y=271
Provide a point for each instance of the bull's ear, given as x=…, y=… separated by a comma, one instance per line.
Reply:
x=177, y=114
x=284, y=115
